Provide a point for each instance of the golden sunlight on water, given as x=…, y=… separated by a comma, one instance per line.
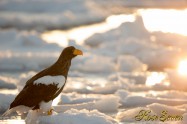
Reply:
x=155, y=78
x=165, y=20
x=182, y=67
x=80, y=34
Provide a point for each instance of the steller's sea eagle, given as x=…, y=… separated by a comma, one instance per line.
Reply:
x=40, y=91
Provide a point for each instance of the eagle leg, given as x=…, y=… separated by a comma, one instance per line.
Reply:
x=50, y=112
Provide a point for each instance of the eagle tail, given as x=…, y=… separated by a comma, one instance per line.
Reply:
x=9, y=111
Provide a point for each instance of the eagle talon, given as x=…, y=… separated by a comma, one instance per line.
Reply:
x=50, y=112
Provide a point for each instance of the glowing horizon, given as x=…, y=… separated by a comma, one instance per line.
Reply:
x=165, y=20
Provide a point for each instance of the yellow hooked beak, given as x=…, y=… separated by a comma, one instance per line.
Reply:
x=77, y=52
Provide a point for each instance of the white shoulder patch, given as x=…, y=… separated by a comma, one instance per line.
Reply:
x=47, y=80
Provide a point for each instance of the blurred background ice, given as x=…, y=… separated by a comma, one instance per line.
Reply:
x=135, y=56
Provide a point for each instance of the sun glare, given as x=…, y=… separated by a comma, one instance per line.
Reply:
x=172, y=21
x=155, y=78
x=182, y=67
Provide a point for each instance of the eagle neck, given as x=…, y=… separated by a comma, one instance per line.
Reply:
x=63, y=66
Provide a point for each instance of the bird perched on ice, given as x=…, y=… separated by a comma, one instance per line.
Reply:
x=40, y=91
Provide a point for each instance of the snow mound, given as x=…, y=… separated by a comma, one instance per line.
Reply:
x=23, y=50
x=5, y=101
x=49, y=14
x=7, y=83
x=135, y=101
x=129, y=99
x=184, y=118
x=155, y=109
x=132, y=38
x=158, y=108
x=125, y=31
x=130, y=64
x=26, y=39
x=102, y=103
x=95, y=64
x=72, y=116
x=122, y=94
x=129, y=115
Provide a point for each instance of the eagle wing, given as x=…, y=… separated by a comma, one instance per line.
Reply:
x=35, y=91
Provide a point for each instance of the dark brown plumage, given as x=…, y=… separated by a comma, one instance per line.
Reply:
x=33, y=94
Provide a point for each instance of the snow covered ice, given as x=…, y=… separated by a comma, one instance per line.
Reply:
x=73, y=116
x=125, y=69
